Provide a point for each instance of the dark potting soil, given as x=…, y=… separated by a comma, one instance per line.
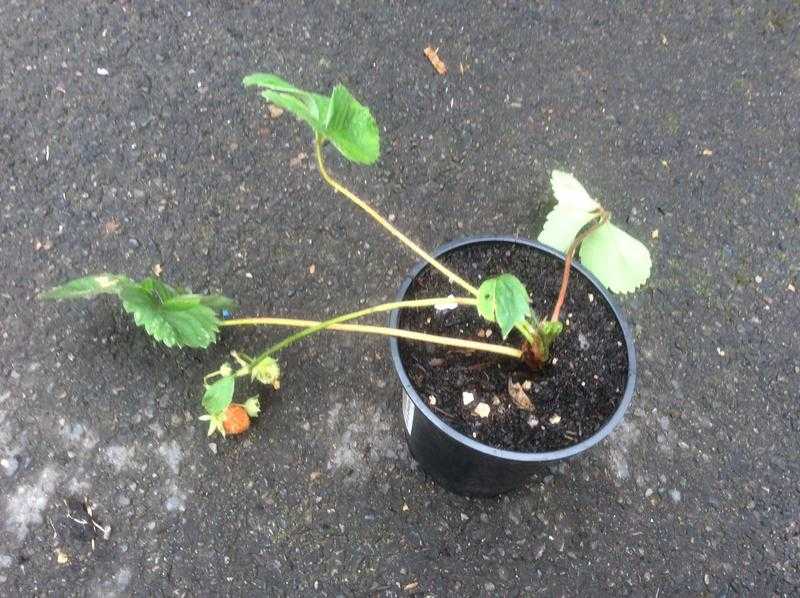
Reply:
x=572, y=398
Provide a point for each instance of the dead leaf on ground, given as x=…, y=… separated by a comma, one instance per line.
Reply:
x=518, y=396
x=298, y=159
x=433, y=57
x=110, y=227
x=274, y=111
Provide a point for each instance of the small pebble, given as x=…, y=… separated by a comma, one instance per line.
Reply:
x=133, y=243
x=213, y=447
x=533, y=421
x=467, y=398
x=554, y=419
x=675, y=495
x=591, y=298
x=583, y=341
x=432, y=400
x=482, y=410
x=527, y=385
x=102, y=72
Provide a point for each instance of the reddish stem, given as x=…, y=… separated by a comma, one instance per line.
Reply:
x=562, y=293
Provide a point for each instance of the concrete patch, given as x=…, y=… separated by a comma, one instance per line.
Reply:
x=172, y=454
x=362, y=439
x=120, y=457
x=619, y=445
x=24, y=508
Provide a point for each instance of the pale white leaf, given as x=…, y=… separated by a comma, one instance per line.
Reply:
x=619, y=261
x=562, y=225
x=570, y=193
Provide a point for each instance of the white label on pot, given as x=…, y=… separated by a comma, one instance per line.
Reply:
x=408, y=412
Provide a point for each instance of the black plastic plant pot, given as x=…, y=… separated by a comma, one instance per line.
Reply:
x=464, y=465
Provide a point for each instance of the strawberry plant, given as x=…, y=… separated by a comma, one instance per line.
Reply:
x=178, y=318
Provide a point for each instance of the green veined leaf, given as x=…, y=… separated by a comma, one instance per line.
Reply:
x=619, y=261
x=351, y=127
x=219, y=395
x=270, y=81
x=570, y=193
x=309, y=107
x=164, y=292
x=88, y=286
x=339, y=118
x=504, y=299
x=548, y=331
x=561, y=227
x=177, y=319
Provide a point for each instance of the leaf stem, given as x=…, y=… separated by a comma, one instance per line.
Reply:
x=338, y=187
x=383, y=331
x=602, y=218
x=291, y=339
x=524, y=328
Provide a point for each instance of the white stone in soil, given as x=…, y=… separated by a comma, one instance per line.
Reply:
x=482, y=410
x=467, y=397
x=583, y=341
x=446, y=305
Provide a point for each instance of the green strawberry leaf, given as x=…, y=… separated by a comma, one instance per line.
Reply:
x=351, y=128
x=311, y=108
x=340, y=118
x=548, y=331
x=504, y=299
x=219, y=395
x=181, y=320
x=619, y=261
x=177, y=319
x=87, y=287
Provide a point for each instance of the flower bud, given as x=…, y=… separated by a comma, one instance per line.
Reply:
x=252, y=407
x=267, y=371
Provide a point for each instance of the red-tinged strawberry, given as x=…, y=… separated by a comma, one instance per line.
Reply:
x=236, y=419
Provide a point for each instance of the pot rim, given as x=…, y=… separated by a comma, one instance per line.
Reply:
x=485, y=449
